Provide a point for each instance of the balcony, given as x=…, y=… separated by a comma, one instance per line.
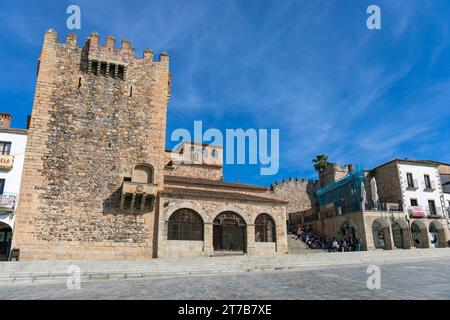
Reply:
x=140, y=196
x=139, y=188
x=384, y=206
x=8, y=202
x=429, y=186
x=420, y=212
x=436, y=213
x=412, y=185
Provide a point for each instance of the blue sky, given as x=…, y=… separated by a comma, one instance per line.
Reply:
x=309, y=68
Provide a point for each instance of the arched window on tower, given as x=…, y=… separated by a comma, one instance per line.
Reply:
x=264, y=228
x=143, y=173
x=214, y=154
x=185, y=224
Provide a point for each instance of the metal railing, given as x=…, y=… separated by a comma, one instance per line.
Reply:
x=430, y=187
x=384, y=206
x=419, y=211
x=355, y=207
x=412, y=185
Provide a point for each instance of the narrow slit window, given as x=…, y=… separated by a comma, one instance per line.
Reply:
x=121, y=72
x=131, y=91
x=94, y=67
x=112, y=70
x=103, y=68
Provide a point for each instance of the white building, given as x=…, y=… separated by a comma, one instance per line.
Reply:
x=12, y=152
x=444, y=174
x=422, y=189
x=416, y=186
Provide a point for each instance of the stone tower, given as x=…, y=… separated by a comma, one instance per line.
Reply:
x=95, y=152
x=5, y=120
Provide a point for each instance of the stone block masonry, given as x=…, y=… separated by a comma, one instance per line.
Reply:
x=300, y=194
x=98, y=111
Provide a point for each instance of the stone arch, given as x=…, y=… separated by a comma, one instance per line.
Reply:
x=239, y=211
x=185, y=224
x=381, y=234
x=437, y=235
x=276, y=215
x=229, y=232
x=347, y=230
x=265, y=228
x=5, y=241
x=143, y=173
x=401, y=235
x=419, y=234
x=185, y=205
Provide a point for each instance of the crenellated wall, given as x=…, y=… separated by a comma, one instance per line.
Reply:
x=300, y=193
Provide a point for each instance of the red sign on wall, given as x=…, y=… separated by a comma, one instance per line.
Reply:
x=417, y=211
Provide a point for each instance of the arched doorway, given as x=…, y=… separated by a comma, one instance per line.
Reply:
x=419, y=234
x=229, y=232
x=5, y=241
x=437, y=235
x=347, y=231
x=401, y=235
x=265, y=228
x=381, y=234
x=185, y=224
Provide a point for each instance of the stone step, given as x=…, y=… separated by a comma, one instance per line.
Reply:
x=296, y=246
x=28, y=272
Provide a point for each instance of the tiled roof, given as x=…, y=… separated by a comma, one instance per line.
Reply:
x=14, y=130
x=211, y=183
x=214, y=194
x=412, y=161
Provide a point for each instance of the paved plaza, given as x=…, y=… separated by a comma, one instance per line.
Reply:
x=409, y=280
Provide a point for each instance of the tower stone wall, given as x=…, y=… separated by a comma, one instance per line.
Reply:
x=299, y=193
x=98, y=112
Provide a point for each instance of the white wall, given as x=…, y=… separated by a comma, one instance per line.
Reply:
x=447, y=202
x=422, y=196
x=13, y=177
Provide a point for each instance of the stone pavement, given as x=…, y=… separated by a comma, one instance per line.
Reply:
x=406, y=280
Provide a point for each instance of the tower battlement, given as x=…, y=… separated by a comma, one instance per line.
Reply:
x=292, y=181
x=108, y=51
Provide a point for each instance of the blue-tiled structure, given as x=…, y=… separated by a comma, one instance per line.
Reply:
x=344, y=193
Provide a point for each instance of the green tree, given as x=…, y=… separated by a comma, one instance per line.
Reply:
x=321, y=163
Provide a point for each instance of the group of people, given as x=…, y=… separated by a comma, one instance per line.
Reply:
x=346, y=245
x=312, y=240
x=316, y=241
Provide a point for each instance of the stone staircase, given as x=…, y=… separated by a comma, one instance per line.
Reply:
x=299, y=247
x=35, y=272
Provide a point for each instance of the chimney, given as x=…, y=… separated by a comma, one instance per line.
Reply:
x=28, y=121
x=5, y=120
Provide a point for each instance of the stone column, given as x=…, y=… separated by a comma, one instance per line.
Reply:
x=163, y=226
x=388, y=238
x=208, y=248
x=281, y=239
x=251, y=246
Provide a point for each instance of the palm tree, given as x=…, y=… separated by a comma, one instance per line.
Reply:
x=321, y=163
